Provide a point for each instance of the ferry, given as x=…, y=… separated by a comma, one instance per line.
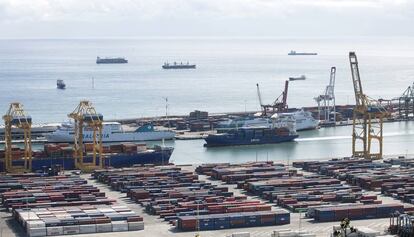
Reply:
x=283, y=129
x=111, y=132
x=60, y=84
x=100, y=60
x=37, y=132
x=176, y=65
x=304, y=121
x=294, y=53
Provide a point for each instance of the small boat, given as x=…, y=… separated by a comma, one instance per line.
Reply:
x=176, y=65
x=303, y=77
x=60, y=84
x=100, y=60
x=294, y=53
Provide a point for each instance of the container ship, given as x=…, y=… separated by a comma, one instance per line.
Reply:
x=176, y=65
x=100, y=60
x=115, y=155
x=293, y=53
x=283, y=129
x=111, y=132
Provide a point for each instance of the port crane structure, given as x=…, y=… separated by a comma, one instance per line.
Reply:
x=326, y=102
x=368, y=116
x=406, y=103
x=85, y=114
x=278, y=106
x=16, y=117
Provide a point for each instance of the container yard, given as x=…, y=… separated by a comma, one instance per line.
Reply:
x=63, y=205
x=189, y=204
x=183, y=200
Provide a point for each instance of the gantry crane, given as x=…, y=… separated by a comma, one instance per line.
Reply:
x=406, y=103
x=278, y=106
x=17, y=117
x=85, y=115
x=367, y=118
x=326, y=102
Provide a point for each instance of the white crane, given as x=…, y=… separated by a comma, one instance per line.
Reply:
x=326, y=102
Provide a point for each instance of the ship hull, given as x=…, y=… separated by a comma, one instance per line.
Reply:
x=179, y=67
x=218, y=140
x=110, y=60
x=157, y=157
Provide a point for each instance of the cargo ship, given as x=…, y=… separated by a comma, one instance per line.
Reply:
x=111, y=132
x=100, y=60
x=283, y=129
x=301, y=78
x=115, y=155
x=293, y=53
x=176, y=65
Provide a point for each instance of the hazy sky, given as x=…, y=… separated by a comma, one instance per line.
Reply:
x=140, y=18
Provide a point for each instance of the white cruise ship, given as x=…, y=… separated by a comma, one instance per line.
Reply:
x=111, y=132
x=304, y=121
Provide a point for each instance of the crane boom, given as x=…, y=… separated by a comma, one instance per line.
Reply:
x=259, y=95
x=356, y=80
x=285, y=93
x=278, y=105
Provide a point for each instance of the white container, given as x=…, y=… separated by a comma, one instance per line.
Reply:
x=132, y=226
x=118, y=226
x=71, y=230
x=241, y=234
x=102, y=228
x=36, y=232
x=54, y=230
x=106, y=210
x=35, y=224
x=27, y=216
x=85, y=229
x=116, y=207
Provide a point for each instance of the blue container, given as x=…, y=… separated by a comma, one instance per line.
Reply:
x=268, y=222
x=237, y=221
x=206, y=223
x=324, y=215
x=251, y=219
x=222, y=223
x=282, y=218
